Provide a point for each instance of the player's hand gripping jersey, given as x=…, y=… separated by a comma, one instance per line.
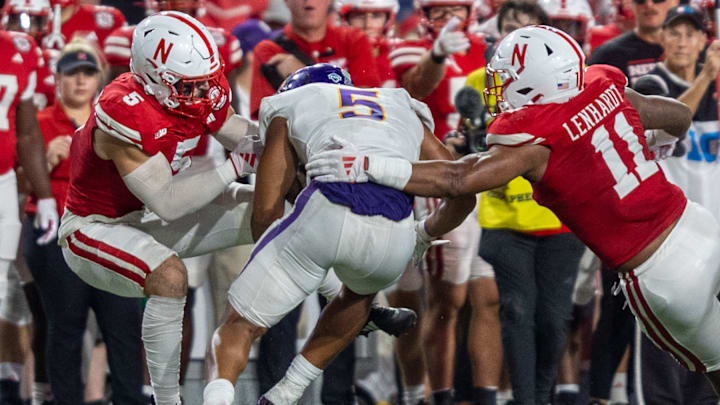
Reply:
x=601, y=180
x=127, y=113
x=18, y=78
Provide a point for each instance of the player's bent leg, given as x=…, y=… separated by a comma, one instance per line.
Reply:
x=409, y=349
x=678, y=310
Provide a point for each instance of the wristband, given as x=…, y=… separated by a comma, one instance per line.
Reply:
x=437, y=59
x=391, y=172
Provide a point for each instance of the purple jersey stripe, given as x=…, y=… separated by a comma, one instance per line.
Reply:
x=300, y=203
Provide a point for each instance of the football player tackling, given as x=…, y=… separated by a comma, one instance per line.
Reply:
x=578, y=135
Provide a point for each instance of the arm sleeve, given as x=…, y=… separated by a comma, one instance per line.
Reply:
x=174, y=197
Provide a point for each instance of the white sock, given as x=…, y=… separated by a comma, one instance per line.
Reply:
x=162, y=335
x=41, y=393
x=571, y=388
x=219, y=392
x=298, y=377
x=413, y=394
x=11, y=371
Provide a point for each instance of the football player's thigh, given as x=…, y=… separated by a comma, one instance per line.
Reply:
x=114, y=257
x=479, y=268
x=9, y=218
x=684, y=313
x=288, y=263
x=373, y=251
x=197, y=269
x=209, y=229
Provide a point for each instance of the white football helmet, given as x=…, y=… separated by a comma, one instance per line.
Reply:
x=176, y=60
x=345, y=7
x=572, y=16
x=536, y=64
x=29, y=15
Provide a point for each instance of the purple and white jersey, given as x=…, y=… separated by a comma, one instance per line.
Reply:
x=378, y=121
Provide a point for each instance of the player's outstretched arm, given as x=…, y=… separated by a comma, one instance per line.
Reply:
x=151, y=180
x=452, y=211
x=275, y=177
x=436, y=178
x=663, y=113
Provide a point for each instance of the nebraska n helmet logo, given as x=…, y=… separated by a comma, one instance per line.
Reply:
x=162, y=50
x=520, y=55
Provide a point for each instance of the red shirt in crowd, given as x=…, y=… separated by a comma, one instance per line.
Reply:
x=92, y=22
x=346, y=47
x=18, y=74
x=54, y=123
x=442, y=100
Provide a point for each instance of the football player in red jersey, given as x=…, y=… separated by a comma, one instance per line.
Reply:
x=31, y=17
x=20, y=139
x=144, y=126
x=376, y=18
x=578, y=134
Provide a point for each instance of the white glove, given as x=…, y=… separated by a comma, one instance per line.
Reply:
x=341, y=163
x=246, y=156
x=47, y=220
x=423, y=242
x=450, y=41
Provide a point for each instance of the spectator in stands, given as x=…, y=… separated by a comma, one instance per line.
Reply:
x=535, y=259
x=692, y=166
x=309, y=39
x=638, y=51
x=622, y=20
x=66, y=299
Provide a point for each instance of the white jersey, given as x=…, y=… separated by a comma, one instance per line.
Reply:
x=696, y=172
x=379, y=121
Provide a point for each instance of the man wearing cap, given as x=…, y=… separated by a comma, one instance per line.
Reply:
x=692, y=166
x=66, y=298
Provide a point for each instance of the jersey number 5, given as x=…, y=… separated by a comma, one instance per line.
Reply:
x=362, y=101
x=625, y=180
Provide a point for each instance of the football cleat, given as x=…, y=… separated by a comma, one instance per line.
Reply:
x=393, y=321
x=264, y=401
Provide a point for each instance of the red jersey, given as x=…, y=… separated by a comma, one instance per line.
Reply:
x=92, y=22
x=117, y=47
x=54, y=123
x=442, y=100
x=45, y=89
x=227, y=14
x=18, y=76
x=600, y=180
x=381, y=52
x=127, y=113
x=346, y=47
x=598, y=35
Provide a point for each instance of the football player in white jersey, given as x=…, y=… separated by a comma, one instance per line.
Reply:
x=365, y=232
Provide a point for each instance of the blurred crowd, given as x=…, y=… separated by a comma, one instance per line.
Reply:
x=512, y=311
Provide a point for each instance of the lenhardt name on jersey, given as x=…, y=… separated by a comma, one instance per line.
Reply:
x=593, y=113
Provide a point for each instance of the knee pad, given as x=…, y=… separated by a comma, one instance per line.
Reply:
x=14, y=307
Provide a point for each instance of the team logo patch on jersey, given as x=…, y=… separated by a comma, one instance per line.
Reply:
x=104, y=19
x=21, y=43
x=217, y=97
x=336, y=78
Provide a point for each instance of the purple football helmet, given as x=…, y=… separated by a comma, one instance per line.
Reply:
x=317, y=73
